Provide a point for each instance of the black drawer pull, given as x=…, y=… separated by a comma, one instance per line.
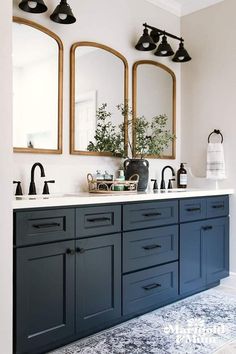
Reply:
x=80, y=250
x=98, y=219
x=152, y=214
x=151, y=286
x=45, y=226
x=70, y=252
x=205, y=228
x=151, y=247
x=218, y=206
x=193, y=209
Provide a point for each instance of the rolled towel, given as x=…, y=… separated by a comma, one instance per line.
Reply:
x=215, y=161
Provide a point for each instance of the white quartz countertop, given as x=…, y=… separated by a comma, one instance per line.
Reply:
x=27, y=202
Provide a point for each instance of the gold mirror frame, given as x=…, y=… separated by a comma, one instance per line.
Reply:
x=134, y=103
x=73, y=151
x=60, y=88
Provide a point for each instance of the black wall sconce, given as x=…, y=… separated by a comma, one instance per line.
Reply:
x=148, y=42
x=62, y=14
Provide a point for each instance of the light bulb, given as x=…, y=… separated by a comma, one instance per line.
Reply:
x=164, y=52
x=181, y=58
x=145, y=45
x=32, y=4
x=62, y=16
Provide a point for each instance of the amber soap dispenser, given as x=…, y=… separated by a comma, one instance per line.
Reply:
x=182, y=179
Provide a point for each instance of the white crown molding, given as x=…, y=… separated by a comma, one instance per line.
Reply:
x=179, y=8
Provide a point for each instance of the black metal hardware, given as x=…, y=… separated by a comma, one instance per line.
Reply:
x=151, y=286
x=80, y=250
x=155, y=185
x=160, y=32
x=170, y=186
x=152, y=214
x=70, y=252
x=193, y=209
x=98, y=219
x=151, y=247
x=221, y=206
x=218, y=132
x=206, y=228
x=18, y=188
x=45, y=226
x=32, y=188
x=45, y=188
x=163, y=185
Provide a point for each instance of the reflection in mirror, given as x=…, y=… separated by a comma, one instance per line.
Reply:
x=99, y=75
x=154, y=94
x=37, y=88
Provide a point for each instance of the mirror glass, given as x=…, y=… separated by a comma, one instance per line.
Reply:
x=36, y=89
x=99, y=76
x=154, y=90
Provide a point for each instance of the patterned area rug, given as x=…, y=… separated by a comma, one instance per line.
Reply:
x=200, y=324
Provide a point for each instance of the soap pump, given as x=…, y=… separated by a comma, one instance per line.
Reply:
x=155, y=185
x=182, y=177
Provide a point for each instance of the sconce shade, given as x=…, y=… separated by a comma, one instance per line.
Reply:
x=33, y=6
x=63, y=14
x=181, y=56
x=145, y=42
x=164, y=49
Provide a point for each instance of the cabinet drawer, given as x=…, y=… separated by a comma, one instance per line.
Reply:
x=146, y=248
x=98, y=220
x=192, y=209
x=151, y=287
x=142, y=215
x=42, y=226
x=217, y=206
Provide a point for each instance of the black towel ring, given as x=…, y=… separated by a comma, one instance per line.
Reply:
x=216, y=131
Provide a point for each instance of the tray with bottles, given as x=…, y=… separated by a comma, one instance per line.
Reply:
x=111, y=186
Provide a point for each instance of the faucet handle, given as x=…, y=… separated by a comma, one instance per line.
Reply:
x=18, y=188
x=155, y=185
x=170, y=183
x=45, y=188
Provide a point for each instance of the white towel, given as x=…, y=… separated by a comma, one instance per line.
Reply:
x=215, y=161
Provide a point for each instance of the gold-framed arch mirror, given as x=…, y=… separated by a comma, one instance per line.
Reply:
x=99, y=75
x=37, y=88
x=154, y=94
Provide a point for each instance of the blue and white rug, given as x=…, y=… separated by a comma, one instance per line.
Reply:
x=199, y=324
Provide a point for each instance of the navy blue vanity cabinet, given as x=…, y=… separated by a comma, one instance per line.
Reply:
x=44, y=296
x=216, y=240
x=98, y=282
x=204, y=245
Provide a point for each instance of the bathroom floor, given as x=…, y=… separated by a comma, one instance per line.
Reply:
x=201, y=324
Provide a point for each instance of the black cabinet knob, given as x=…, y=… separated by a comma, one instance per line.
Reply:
x=70, y=252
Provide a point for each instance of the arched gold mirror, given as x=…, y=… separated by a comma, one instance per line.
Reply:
x=99, y=75
x=154, y=95
x=37, y=88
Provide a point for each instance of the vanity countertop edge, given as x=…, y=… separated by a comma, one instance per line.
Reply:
x=90, y=199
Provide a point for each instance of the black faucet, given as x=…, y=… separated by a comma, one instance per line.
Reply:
x=32, y=187
x=163, y=185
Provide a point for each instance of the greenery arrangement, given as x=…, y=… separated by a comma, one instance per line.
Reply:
x=151, y=137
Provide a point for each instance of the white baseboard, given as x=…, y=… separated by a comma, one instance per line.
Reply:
x=230, y=282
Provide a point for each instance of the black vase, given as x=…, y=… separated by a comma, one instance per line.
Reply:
x=139, y=167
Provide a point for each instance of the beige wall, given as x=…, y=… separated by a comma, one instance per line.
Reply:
x=209, y=92
x=117, y=24
x=5, y=180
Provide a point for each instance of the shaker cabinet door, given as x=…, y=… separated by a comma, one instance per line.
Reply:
x=217, y=249
x=98, y=281
x=44, y=295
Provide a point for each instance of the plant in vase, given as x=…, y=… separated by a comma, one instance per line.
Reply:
x=143, y=137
